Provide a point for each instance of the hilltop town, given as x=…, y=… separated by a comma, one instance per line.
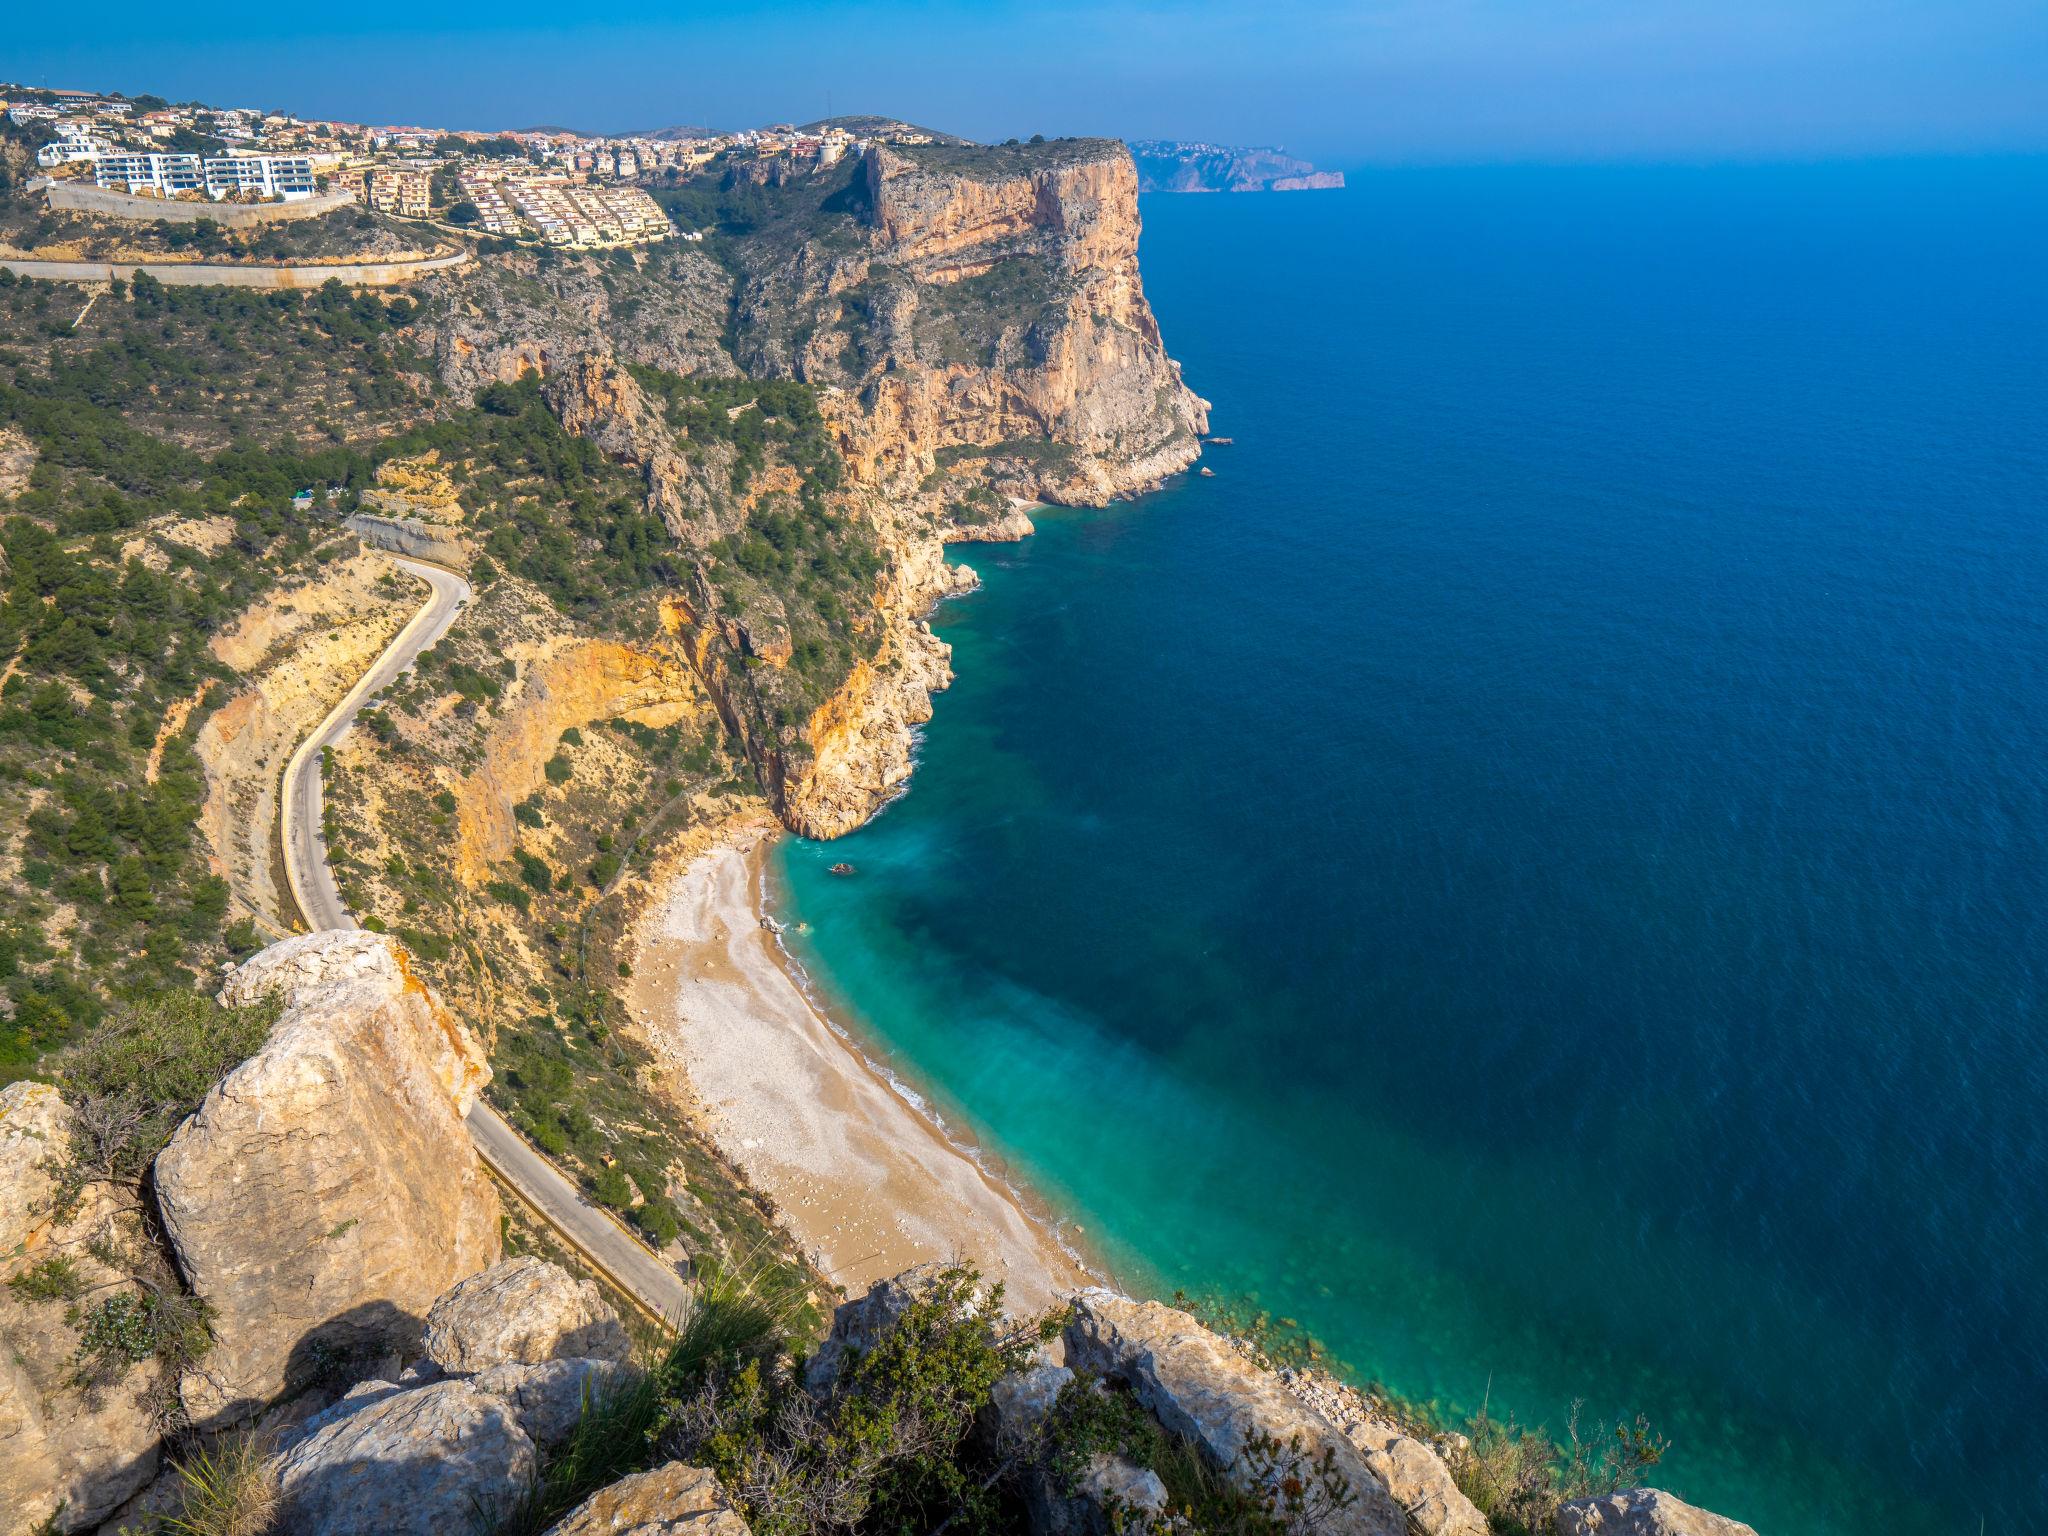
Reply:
x=542, y=186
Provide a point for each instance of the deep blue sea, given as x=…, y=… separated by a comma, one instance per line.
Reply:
x=1539, y=869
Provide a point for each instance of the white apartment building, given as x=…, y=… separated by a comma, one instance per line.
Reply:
x=70, y=150
x=286, y=177
x=164, y=175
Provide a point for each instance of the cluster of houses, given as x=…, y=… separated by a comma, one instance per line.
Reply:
x=510, y=199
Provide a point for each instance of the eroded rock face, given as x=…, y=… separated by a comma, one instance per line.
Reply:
x=549, y=1396
x=859, y=1325
x=326, y=1191
x=1089, y=371
x=1419, y=1482
x=387, y=1462
x=1643, y=1512
x=674, y=1500
x=1201, y=1389
x=521, y=1312
x=61, y=1447
x=35, y=1126
x=1021, y=1400
x=1413, y=1472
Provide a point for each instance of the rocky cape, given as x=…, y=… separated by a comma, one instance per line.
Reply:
x=1166, y=165
x=974, y=325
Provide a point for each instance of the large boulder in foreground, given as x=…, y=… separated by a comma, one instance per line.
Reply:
x=326, y=1191
x=65, y=1451
x=673, y=1500
x=1643, y=1512
x=1208, y=1394
x=521, y=1312
x=391, y=1462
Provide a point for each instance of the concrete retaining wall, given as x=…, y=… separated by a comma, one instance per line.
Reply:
x=77, y=197
x=192, y=274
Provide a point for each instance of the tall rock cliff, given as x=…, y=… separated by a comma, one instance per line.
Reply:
x=974, y=332
x=989, y=305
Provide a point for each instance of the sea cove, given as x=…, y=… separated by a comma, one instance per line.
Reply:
x=1536, y=870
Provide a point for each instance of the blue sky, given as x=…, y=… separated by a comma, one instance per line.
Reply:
x=1392, y=81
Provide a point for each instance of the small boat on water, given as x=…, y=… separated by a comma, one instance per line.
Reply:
x=1207, y=473
x=842, y=869
x=1218, y=442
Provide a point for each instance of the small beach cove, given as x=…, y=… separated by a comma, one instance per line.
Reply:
x=861, y=1174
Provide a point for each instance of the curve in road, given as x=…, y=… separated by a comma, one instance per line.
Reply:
x=620, y=1257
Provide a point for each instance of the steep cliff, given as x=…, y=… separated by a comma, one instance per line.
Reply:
x=979, y=302
x=973, y=336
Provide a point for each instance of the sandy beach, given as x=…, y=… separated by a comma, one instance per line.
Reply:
x=866, y=1183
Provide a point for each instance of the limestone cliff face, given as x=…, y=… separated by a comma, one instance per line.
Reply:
x=562, y=683
x=860, y=740
x=326, y=1191
x=976, y=326
x=1003, y=293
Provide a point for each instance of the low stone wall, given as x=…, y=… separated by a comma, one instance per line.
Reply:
x=77, y=197
x=192, y=274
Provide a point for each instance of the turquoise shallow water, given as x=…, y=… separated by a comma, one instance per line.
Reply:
x=1538, y=869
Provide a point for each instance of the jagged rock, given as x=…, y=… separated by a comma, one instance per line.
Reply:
x=549, y=1397
x=1419, y=1482
x=1201, y=1389
x=1414, y=1474
x=326, y=1191
x=387, y=1462
x=859, y=1325
x=1112, y=1495
x=60, y=1446
x=1643, y=1512
x=674, y=1500
x=1021, y=1400
x=522, y=1311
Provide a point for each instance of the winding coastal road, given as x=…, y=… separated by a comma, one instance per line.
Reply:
x=590, y=1231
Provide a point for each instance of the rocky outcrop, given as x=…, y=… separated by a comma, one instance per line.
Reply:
x=1202, y=1390
x=672, y=1500
x=859, y=1325
x=452, y=1444
x=510, y=315
x=1643, y=1512
x=326, y=1191
x=1109, y=1497
x=522, y=1311
x=35, y=1130
x=1021, y=1402
x=389, y=1462
x=548, y=1397
x=1413, y=1472
x=67, y=1451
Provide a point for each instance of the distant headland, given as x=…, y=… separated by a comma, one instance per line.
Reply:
x=1169, y=165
